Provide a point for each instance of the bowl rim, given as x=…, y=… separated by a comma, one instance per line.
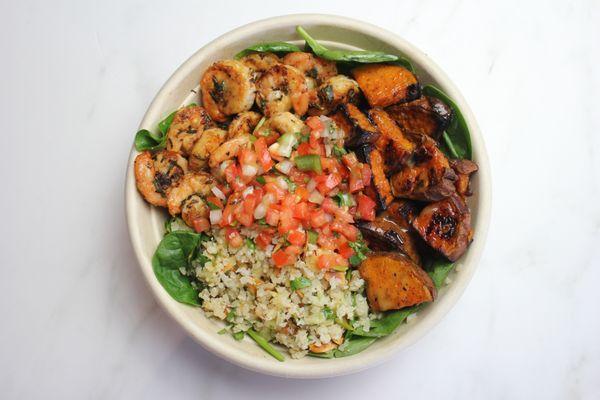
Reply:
x=368, y=358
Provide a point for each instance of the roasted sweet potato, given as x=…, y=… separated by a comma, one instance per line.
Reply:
x=380, y=182
x=446, y=226
x=387, y=234
x=384, y=85
x=357, y=127
x=393, y=281
x=394, y=145
x=463, y=169
x=429, y=178
x=425, y=116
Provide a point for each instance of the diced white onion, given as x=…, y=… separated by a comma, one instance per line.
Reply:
x=328, y=148
x=284, y=167
x=217, y=192
x=260, y=211
x=247, y=191
x=249, y=170
x=281, y=183
x=315, y=197
x=268, y=199
x=311, y=185
x=215, y=216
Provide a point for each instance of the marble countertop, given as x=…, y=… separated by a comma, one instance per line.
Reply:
x=78, y=321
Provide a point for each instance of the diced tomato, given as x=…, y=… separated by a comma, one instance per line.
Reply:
x=329, y=206
x=330, y=260
x=296, y=237
x=262, y=152
x=327, y=182
x=215, y=200
x=315, y=124
x=247, y=157
x=281, y=258
x=272, y=217
x=366, y=175
x=350, y=160
x=313, y=139
x=348, y=230
x=365, y=207
x=326, y=241
x=301, y=211
x=233, y=237
x=272, y=187
x=356, y=182
x=306, y=148
x=232, y=176
x=293, y=251
x=287, y=221
x=250, y=202
x=345, y=250
x=302, y=193
x=318, y=218
x=263, y=239
x=227, y=217
x=245, y=219
x=201, y=224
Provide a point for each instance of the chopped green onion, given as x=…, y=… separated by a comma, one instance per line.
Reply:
x=262, y=342
x=212, y=205
x=340, y=268
x=250, y=244
x=230, y=315
x=309, y=162
x=222, y=331
x=312, y=237
x=261, y=179
x=300, y=283
x=262, y=221
x=328, y=313
x=238, y=335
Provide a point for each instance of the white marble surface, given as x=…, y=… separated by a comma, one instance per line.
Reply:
x=77, y=320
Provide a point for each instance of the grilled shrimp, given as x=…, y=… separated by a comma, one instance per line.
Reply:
x=281, y=123
x=282, y=88
x=228, y=150
x=244, y=123
x=155, y=173
x=186, y=128
x=192, y=183
x=210, y=140
x=227, y=88
x=315, y=68
x=334, y=91
x=260, y=62
x=195, y=213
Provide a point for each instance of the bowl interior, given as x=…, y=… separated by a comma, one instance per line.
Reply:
x=146, y=223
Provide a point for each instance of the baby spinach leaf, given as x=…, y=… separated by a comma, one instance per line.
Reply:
x=353, y=345
x=176, y=224
x=175, y=251
x=439, y=271
x=146, y=140
x=457, y=137
x=327, y=354
x=165, y=124
x=386, y=324
x=271, y=47
x=358, y=56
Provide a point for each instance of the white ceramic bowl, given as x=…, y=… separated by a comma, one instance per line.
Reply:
x=146, y=222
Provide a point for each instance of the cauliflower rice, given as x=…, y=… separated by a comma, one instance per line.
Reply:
x=244, y=289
